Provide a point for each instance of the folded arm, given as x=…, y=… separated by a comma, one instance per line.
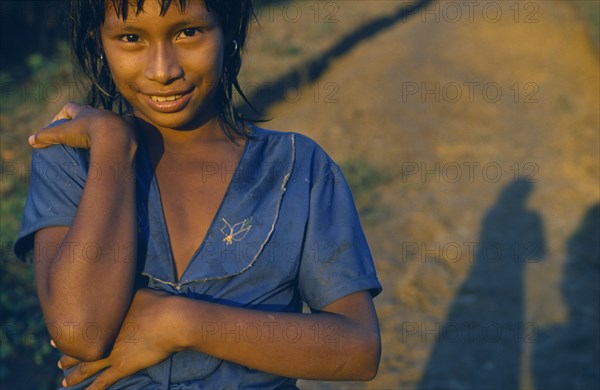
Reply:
x=85, y=273
x=340, y=342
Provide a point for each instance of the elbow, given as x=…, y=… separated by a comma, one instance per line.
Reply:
x=81, y=339
x=359, y=361
x=87, y=352
x=369, y=373
x=79, y=331
x=371, y=355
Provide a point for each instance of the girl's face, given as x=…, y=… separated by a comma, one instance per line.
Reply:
x=167, y=67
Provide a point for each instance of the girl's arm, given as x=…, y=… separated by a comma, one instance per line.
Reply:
x=85, y=273
x=341, y=342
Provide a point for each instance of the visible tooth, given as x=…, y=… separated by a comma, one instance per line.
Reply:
x=165, y=98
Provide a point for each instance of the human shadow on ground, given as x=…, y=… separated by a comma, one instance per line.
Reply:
x=567, y=356
x=480, y=344
x=269, y=93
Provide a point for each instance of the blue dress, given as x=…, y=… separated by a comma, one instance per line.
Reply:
x=286, y=233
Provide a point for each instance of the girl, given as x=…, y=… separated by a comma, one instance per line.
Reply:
x=174, y=243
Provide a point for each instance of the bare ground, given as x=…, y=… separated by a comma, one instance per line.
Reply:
x=494, y=191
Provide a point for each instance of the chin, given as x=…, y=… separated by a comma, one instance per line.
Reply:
x=175, y=121
x=189, y=118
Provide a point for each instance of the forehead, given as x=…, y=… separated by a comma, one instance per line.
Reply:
x=119, y=12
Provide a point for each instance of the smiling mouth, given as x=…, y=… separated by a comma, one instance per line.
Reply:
x=165, y=98
x=168, y=104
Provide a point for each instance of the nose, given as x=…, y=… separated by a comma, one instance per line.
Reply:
x=162, y=65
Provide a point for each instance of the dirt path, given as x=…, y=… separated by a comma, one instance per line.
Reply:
x=489, y=282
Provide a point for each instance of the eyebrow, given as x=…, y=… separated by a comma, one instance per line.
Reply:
x=134, y=27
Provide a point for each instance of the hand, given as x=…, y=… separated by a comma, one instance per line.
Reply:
x=84, y=125
x=145, y=339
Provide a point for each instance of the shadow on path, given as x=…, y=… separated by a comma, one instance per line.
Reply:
x=568, y=356
x=276, y=90
x=479, y=347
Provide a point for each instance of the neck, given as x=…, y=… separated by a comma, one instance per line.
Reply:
x=180, y=140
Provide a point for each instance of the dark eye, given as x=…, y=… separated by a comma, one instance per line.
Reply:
x=130, y=38
x=187, y=33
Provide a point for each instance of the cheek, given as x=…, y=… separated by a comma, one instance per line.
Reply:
x=123, y=71
x=214, y=58
x=218, y=67
x=205, y=67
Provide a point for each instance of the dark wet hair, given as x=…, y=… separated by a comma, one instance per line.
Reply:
x=87, y=16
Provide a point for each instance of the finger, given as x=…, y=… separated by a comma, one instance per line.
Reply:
x=46, y=137
x=106, y=379
x=64, y=132
x=32, y=140
x=68, y=111
x=43, y=139
x=83, y=371
x=66, y=362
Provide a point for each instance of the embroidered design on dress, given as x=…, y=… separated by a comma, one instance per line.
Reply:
x=236, y=232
